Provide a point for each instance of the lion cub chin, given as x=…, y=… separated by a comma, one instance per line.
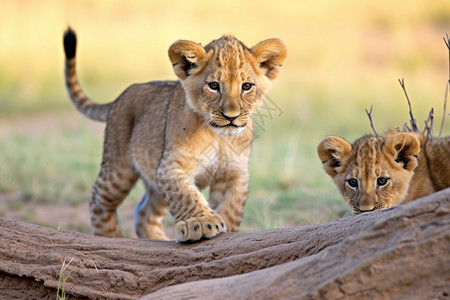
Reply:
x=180, y=137
x=380, y=172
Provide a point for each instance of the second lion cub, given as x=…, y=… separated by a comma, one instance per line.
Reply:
x=380, y=172
x=172, y=135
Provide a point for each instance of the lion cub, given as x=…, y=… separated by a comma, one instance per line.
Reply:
x=180, y=137
x=380, y=172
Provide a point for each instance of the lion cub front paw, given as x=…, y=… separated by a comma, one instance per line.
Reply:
x=194, y=229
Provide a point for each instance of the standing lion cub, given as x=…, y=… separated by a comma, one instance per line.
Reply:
x=180, y=137
x=380, y=172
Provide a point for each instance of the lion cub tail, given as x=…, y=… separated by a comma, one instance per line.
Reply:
x=94, y=111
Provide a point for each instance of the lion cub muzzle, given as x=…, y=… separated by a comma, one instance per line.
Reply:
x=230, y=116
x=366, y=204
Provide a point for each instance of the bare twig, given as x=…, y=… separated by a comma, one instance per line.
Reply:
x=406, y=127
x=447, y=87
x=447, y=43
x=369, y=114
x=413, y=121
x=429, y=123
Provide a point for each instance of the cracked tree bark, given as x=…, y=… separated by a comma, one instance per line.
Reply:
x=402, y=252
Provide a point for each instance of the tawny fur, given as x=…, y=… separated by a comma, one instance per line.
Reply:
x=181, y=137
x=390, y=170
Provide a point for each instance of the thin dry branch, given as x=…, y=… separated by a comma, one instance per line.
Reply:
x=444, y=112
x=429, y=123
x=369, y=114
x=447, y=43
x=406, y=127
x=413, y=121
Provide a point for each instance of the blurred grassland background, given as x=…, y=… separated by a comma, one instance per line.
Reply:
x=343, y=57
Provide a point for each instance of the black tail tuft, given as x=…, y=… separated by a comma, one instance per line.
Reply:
x=70, y=43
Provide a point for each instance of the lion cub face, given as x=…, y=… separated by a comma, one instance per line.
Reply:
x=374, y=172
x=225, y=81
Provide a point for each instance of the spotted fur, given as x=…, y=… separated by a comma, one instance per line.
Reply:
x=180, y=137
x=380, y=172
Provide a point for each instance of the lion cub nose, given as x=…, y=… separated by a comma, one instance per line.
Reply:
x=230, y=116
x=366, y=207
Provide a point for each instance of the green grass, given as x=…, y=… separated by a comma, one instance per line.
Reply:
x=56, y=162
x=39, y=168
x=340, y=61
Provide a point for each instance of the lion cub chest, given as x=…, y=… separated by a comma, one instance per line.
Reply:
x=218, y=160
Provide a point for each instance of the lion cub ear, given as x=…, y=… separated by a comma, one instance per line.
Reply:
x=404, y=148
x=270, y=55
x=332, y=150
x=186, y=56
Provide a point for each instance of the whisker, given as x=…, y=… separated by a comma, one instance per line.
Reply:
x=205, y=124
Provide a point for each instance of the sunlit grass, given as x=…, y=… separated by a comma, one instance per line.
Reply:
x=41, y=166
x=343, y=57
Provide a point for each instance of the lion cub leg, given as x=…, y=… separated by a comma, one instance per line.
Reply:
x=149, y=213
x=227, y=196
x=114, y=182
x=194, y=218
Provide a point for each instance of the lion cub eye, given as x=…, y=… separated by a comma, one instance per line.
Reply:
x=214, y=85
x=247, y=86
x=353, y=183
x=382, y=181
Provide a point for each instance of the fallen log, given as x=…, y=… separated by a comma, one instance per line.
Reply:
x=395, y=253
